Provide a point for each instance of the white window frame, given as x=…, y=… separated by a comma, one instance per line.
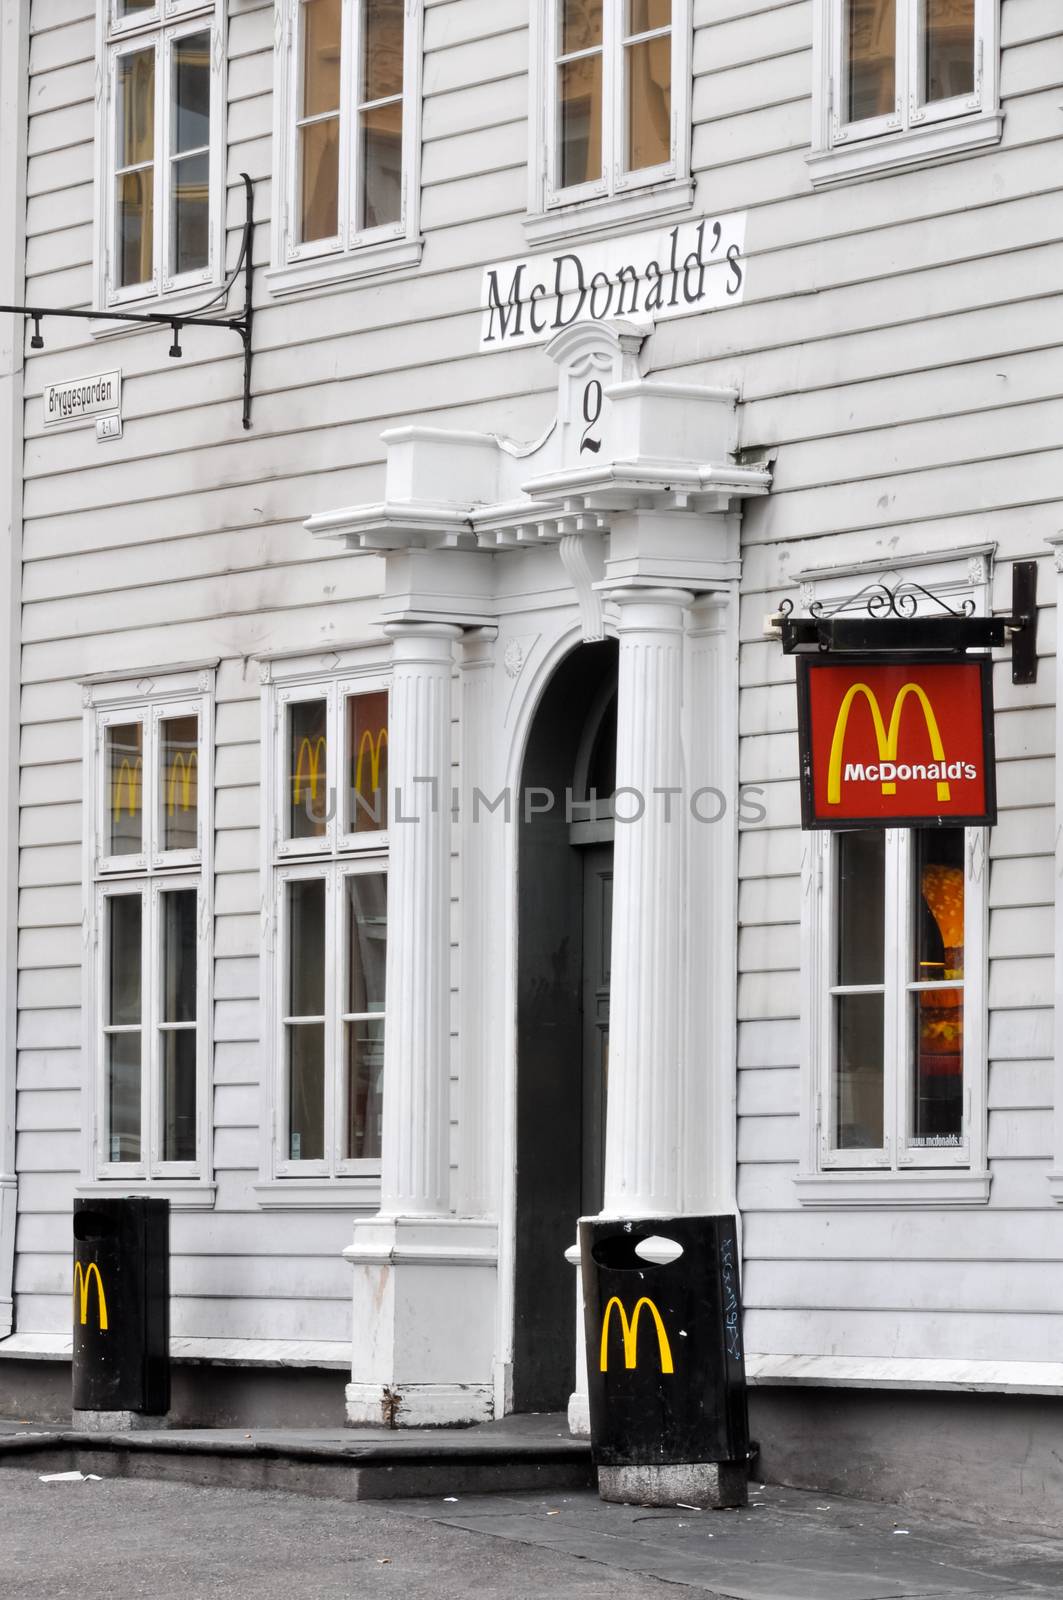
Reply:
x=353, y=253
x=158, y=28
x=149, y=699
x=916, y=133
x=899, y=1174
x=619, y=197
x=336, y=1183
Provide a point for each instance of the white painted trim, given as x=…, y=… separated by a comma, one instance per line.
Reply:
x=619, y=199
x=1055, y=1175
x=14, y=117
x=189, y=1194
x=391, y=248
x=848, y=1189
x=900, y=152
x=910, y=1373
x=164, y=294
x=318, y=1194
x=423, y=1405
x=330, y=1354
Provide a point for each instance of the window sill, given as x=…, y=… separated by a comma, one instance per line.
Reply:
x=890, y=1189
x=897, y=152
x=182, y=303
x=319, y=1194
x=392, y=255
x=1055, y=1187
x=590, y=217
x=184, y=1194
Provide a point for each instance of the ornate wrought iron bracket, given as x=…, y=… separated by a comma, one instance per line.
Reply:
x=890, y=621
x=242, y=325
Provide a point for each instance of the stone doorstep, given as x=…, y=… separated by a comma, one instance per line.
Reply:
x=390, y=1466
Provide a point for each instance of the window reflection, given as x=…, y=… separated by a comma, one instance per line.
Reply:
x=363, y=1022
x=367, y=753
x=859, y=1067
x=308, y=776
x=179, y=790
x=319, y=120
x=190, y=168
x=937, y=1013
x=135, y=169
x=871, y=34
x=124, y=765
x=947, y=45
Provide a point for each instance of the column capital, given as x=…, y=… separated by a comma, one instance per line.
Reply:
x=423, y=630
x=650, y=610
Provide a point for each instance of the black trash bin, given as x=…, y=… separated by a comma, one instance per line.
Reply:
x=122, y=1305
x=665, y=1367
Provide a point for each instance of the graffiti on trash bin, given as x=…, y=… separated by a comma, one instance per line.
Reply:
x=730, y=1300
x=630, y=1333
x=82, y=1283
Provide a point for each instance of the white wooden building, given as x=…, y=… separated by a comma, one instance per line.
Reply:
x=586, y=332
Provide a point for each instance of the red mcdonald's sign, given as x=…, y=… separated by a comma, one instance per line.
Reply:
x=895, y=743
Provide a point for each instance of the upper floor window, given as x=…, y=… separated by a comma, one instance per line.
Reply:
x=347, y=133
x=149, y=898
x=610, y=111
x=160, y=148
x=901, y=82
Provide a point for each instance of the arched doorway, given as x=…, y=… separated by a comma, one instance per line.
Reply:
x=564, y=921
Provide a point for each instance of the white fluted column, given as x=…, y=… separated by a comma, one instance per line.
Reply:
x=415, y=1161
x=642, y=1166
x=424, y=1280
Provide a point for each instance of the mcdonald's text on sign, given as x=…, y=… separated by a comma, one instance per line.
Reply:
x=896, y=743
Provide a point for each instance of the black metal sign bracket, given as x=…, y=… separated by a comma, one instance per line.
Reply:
x=886, y=621
x=242, y=325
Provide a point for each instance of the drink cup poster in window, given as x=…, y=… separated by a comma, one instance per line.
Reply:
x=892, y=743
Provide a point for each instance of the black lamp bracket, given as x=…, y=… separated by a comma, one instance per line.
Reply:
x=241, y=325
x=898, y=622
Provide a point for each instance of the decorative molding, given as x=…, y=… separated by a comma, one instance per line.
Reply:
x=926, y=1188
x=574, y=551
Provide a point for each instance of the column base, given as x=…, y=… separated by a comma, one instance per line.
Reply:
x=420, y=1405
x=579, y=1416
x=424, y=1322
x=116, y=1422
x=713, y=1485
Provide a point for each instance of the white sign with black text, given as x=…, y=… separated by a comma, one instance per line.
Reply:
x=670, y=272
x=82, y=398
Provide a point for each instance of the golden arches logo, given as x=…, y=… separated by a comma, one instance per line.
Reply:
x=312, y=753
x=886, y=739
x=630, y=1333
x=374, y=749
x=82, y=1283
x=184, y=768
x=130, y=778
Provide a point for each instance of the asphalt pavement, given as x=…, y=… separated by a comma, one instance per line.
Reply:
x=131, y=1539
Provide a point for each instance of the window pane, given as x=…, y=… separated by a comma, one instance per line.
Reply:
x=308, y=769
x=947, y=45
x=132, y=8
x=649, y=90
x=179, y=786
x=321, y=56
x=858, y=1082
x=135, y=224
x=367, y=931
x=125, y=912
x=872, y=46
x=319, y=169
x=643, y=15
x=382, y=48
x=306, y=947
x=178, y=1047
x=380, y=178
x=581, y=25
x=135, y=108
x=123, y=1096
x=306, y=1092
x=937, y=1097
x=191, y=92
x=124, y=765
x=580, y=92
x=179, y=912
x=190, y=213
x=365, y=1079
x=938, y=904
x=861, y=911
x=367, y=746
